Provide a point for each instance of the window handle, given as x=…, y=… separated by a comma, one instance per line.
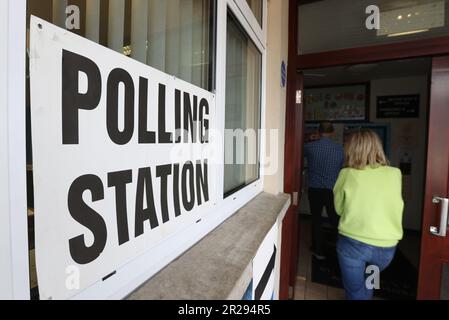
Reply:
x=443, y=217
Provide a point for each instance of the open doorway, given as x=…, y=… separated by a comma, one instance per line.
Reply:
x=392, y=98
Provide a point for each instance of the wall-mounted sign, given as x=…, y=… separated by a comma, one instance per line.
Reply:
x=298, y=96
x=283, y=74
x=336, y=103
x=110, y=183
x=264, y=266
x=400, y=106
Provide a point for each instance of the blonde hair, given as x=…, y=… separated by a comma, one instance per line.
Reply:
x=363, y=148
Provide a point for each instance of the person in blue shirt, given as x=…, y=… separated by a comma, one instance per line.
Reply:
x=325, y=159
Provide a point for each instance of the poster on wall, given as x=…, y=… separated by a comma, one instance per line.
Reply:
x=336, y=103
x=110, y=181
x=399, y=106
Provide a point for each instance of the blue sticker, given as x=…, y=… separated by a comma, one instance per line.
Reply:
x=283, y=74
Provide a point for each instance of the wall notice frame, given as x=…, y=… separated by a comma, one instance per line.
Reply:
x=399, y=106
x=340, y=103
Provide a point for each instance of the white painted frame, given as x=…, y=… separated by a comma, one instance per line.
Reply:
x=259, y=31
x=223, y=8
x=13, y=141
x=14, y=266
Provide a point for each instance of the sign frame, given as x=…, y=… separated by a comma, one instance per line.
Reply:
x=398, y=106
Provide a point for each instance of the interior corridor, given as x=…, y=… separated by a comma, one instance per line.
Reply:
x=307, y=289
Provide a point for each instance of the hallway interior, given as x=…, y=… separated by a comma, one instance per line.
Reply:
x=306, y=289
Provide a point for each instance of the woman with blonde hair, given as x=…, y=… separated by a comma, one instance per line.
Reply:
x=368, y=199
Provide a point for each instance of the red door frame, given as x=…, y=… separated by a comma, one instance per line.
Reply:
x=292, y=155
x=294, y=120
x=434, y=250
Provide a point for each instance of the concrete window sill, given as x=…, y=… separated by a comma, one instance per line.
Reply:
x=219, y=267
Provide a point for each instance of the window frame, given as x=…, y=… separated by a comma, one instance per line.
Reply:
x=13, y=195
x=259, y=30
x=139, y=270
x=229, y=193
x=246, y=193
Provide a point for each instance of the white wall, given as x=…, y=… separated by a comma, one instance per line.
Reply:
x=277, y=51
x=407, y=133
x=13, y=212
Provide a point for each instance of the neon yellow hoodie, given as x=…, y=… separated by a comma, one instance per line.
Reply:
x=370, y=204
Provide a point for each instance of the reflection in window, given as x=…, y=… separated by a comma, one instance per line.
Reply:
x=257, y=8
x=243, y=101
x=173, y=36
x=341, y=24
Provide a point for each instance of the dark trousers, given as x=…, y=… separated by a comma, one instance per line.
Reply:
x=319, y=198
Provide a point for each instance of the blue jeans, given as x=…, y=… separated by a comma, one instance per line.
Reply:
x=354, y=257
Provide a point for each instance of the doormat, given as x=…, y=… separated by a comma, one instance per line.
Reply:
x=398, y=282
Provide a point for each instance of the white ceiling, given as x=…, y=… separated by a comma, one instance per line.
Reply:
x=367, y=72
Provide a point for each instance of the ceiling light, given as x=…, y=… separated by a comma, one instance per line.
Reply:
x=407, y=20
x=365, y=67
x=314, y=75
x=407, y=33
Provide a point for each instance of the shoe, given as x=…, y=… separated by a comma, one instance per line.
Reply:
x=328, y=225
x=318, y=256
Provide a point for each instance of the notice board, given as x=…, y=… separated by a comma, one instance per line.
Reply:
x=398, y=106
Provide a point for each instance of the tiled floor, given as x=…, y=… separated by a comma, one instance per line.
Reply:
x=305, y=289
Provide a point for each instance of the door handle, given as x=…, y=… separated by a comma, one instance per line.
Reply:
x=443, y=217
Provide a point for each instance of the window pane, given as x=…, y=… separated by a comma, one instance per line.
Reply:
x=339, y=24
x=256, y=7
x=243, y=101
x=173, y=36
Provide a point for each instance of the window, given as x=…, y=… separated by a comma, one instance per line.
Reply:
x=176, y=37
x=341, y=24
x=242, y=114
x=256, y=7
x=173, y=36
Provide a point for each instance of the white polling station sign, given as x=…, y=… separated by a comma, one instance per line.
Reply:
x=264, y=266
x=105, y=129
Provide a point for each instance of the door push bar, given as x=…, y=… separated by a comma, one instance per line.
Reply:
x=443, y=217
